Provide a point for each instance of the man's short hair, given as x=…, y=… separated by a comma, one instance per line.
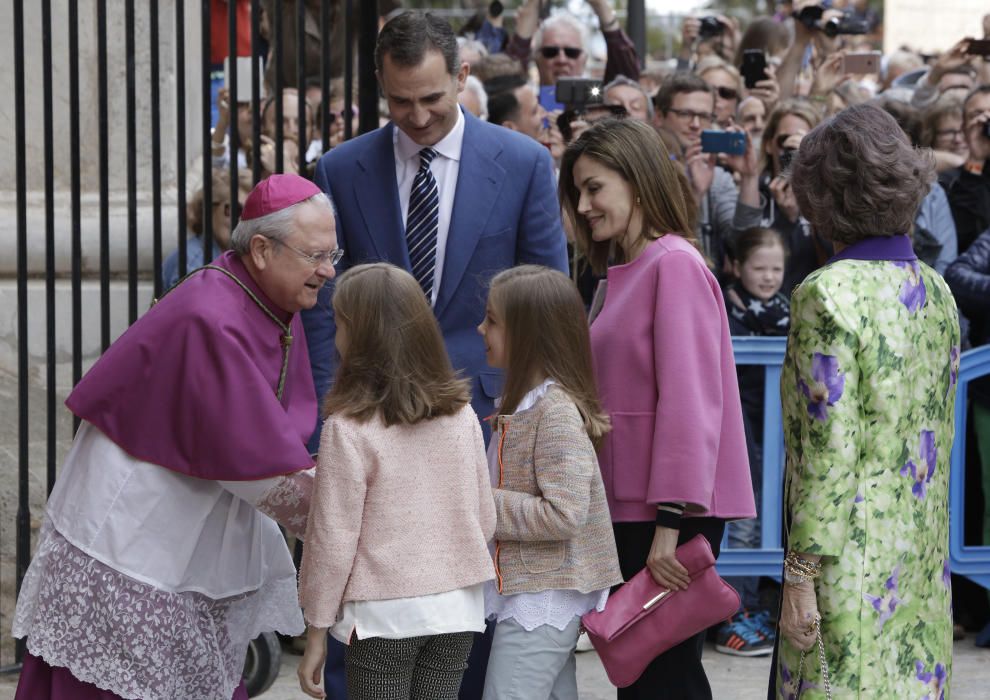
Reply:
x=407, y=37
x=503, y=105
x=561, y=19
x=623, y=80
x=276, y=226
x=676, y=84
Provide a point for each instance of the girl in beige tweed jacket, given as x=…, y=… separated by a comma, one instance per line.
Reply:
x=555, y=556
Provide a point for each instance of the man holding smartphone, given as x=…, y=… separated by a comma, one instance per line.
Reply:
x=968, y=187
x=685, y=106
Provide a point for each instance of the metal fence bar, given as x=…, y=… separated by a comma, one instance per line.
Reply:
x=207, y=116
x=255, y=92
x=101, y=40
x=324, y=119
x=279, y=67
x=180, y=132
x=132, y=243
x=46, y=60
x=367, y=84
x=301, y=133
x=76, y=186
x=156, y=150
x=23, y=526
x=233, y=143
x=348, y=69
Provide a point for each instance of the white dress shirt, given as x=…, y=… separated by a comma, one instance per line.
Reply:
x=445, y=168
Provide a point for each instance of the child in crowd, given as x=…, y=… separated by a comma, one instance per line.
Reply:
x=555, y=556
x=396, y=552
x=755, y=306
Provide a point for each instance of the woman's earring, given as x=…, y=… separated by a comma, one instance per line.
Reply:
x=637, y=201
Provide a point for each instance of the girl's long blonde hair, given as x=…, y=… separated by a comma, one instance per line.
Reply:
x=394, y=362
x=546, y=332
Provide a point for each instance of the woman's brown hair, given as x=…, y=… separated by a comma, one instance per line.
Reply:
x=857, y=176
x=394, y=361
x=796, y=107
x=946, y=106
x=546, y=333
x=635, y=151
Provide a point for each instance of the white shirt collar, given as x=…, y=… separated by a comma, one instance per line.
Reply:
x=449, y=146
x=534, y=395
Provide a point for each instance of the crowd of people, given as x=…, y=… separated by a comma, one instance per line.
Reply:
x=513, y=305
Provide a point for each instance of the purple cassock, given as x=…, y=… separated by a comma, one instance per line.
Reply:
x=192, y=386
x=148, y=582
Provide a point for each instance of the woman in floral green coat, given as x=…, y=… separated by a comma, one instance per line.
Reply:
x=868, y=391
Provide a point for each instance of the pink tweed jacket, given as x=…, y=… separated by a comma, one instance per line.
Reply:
x=397, y=512
x=667, y=377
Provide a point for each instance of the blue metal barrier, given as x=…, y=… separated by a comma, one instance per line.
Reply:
x=972, y=562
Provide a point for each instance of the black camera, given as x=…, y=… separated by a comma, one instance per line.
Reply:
x=986, y=129
x=710, y=27
x=577, y=93
x=811, y=17
x=786, y=160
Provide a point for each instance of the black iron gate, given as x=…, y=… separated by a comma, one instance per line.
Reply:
x=344, y=19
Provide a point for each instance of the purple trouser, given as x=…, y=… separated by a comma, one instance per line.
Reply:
x=39, y=681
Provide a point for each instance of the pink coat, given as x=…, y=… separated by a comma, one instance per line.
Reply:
x=665, y=369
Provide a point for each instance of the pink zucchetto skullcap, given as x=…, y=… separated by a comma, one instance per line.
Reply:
x=275, y=193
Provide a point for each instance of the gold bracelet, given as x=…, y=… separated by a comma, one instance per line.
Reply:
x=798, y=566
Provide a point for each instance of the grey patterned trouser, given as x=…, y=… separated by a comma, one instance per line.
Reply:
x=417, y=668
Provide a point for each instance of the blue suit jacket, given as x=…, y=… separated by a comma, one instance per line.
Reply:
x=505, y=213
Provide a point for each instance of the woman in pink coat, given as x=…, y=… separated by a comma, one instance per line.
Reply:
x=675, y=462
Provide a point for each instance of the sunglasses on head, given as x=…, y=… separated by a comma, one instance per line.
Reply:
x=727, y=93
x=553, y=51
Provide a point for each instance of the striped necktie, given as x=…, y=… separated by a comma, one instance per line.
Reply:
x=422, y=221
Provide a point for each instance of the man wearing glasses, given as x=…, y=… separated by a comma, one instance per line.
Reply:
x=191, y=446
x=560, y=43
x=685, y=106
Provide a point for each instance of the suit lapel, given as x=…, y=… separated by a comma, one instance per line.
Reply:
x=479, y=180
x=377, y=195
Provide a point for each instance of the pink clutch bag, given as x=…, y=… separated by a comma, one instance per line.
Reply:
x=642, y=619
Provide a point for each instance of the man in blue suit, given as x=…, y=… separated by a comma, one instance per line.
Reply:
x=452, y=199
x=495, y=197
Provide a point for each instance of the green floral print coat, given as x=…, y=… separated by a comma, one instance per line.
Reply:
x=868, y=389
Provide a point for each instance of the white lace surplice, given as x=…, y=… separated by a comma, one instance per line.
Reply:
x=148, y=583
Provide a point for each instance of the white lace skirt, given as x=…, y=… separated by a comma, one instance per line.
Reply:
x=136, y=640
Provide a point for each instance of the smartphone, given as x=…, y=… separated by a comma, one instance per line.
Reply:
x=548, y=98
x=731, y=142
x=754, y=67
x=865, y=63
x=978, y=47
x=577, y=93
